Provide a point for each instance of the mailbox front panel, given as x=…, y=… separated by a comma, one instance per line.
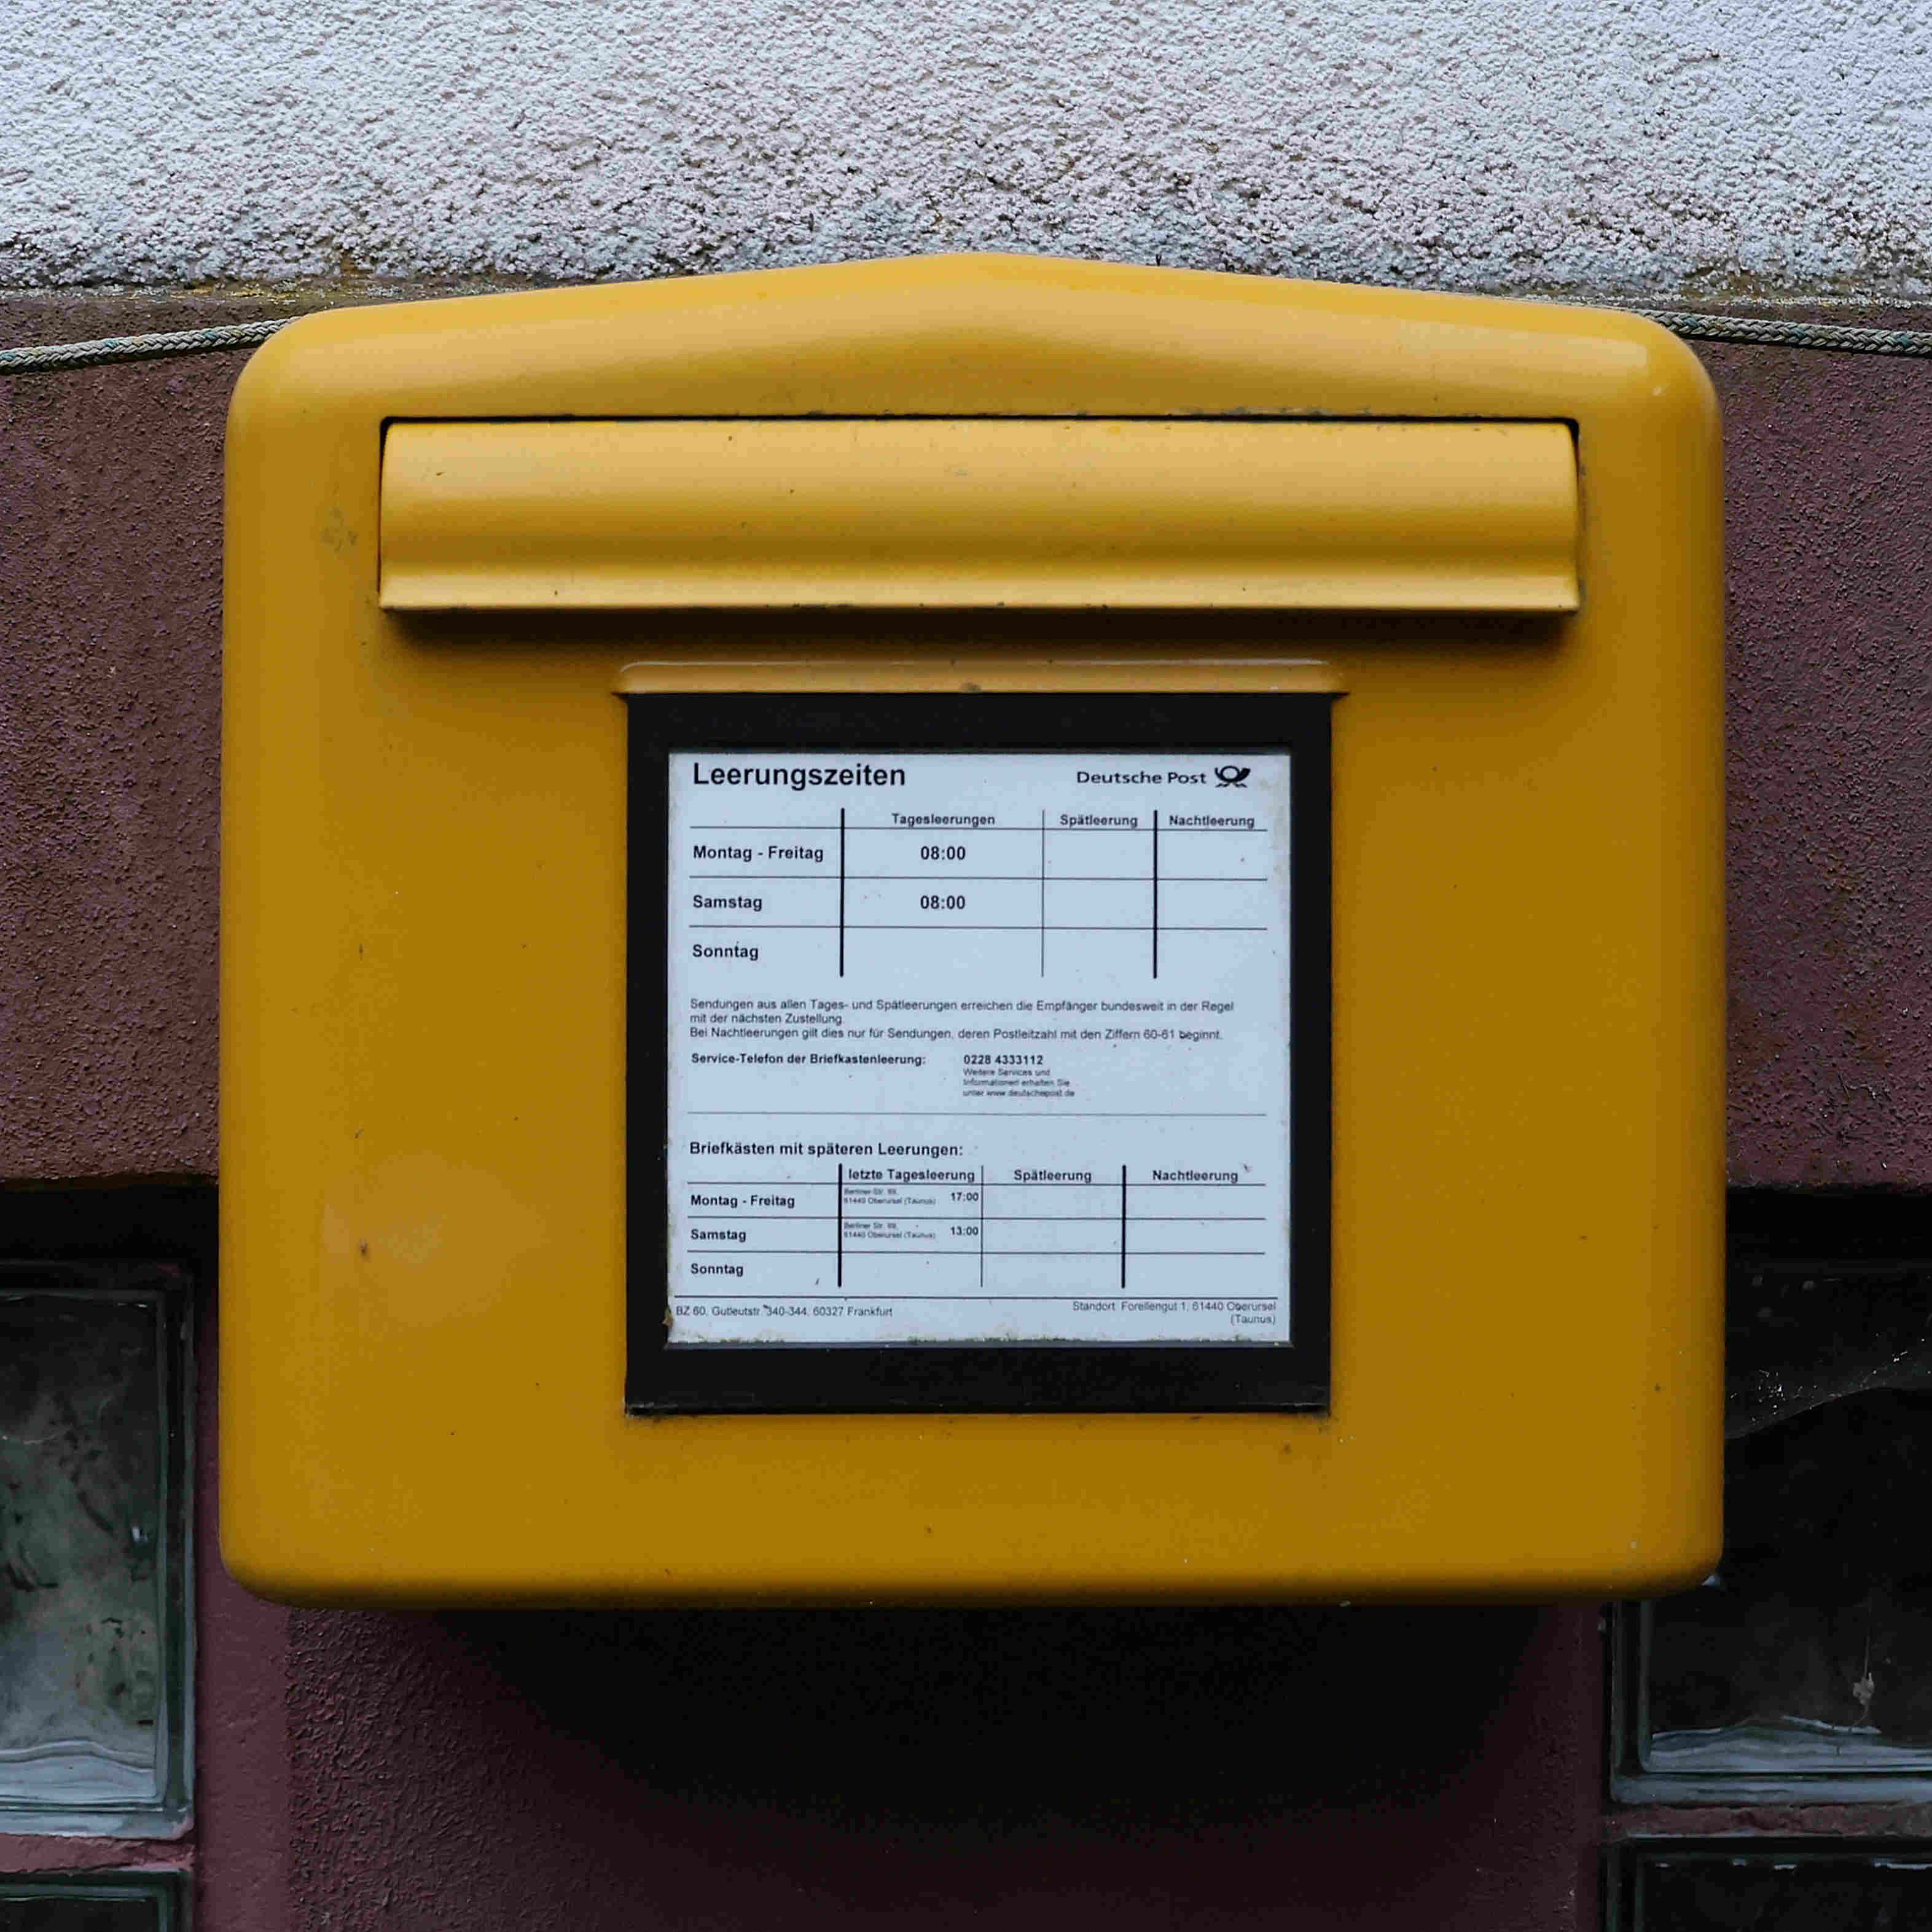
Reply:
x=476, y=722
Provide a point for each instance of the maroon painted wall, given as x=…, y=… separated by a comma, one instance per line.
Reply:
x=1371, y=1768
x=1302, y=1769
x=110, y=574
x=1830, y=637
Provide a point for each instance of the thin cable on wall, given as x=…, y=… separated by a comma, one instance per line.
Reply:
x=137, y=348
x=1790, y=335
x=59, y=355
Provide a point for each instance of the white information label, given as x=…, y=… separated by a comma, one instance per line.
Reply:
x=979, y=1048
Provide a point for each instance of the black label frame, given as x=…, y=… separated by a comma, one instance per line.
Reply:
x=1124, y=1377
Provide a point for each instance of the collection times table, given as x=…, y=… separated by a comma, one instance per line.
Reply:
x=979, y=1048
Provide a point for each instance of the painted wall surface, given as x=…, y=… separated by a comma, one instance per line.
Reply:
x=1296, y=1769
x=1656, y=146
x=1829, y=627
x=110, y=573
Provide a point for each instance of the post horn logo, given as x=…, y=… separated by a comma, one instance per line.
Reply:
x=1233, y=774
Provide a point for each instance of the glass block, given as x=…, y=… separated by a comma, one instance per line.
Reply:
x=1771, y=1887
x=100, y=1902
x=93, y=1582
x=1802, y=1669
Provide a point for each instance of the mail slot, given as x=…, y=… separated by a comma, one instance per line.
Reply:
x=973, y=929
x=1085, y=514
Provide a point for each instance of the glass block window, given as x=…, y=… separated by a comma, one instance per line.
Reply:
x=1839, y=1886
x=1802, y=1670
x=97, y=1903
x=94, y=1580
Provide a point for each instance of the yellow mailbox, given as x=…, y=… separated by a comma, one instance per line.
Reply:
x=971, y=928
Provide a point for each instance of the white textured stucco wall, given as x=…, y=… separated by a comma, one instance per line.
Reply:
x=1706, y=147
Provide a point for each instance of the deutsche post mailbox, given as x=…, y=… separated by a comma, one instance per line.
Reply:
x=971, y=928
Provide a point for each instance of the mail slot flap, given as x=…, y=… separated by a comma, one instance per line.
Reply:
x=926, y=512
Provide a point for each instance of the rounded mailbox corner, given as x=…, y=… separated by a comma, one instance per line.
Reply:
x=272, y=384
x=1678, y=1564
x=264, y=1570
x=317, y=1572
x=1670, y=380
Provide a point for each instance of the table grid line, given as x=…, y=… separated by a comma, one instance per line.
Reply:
x=1154, y=915
x=698, y=1220
x=1002, y=1254
x=968, y=831
x=1107, y=1184
x=1000, y=878
x=872, y=1294
x=940, y=926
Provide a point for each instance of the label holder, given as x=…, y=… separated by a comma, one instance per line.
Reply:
x=1076, y=1377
